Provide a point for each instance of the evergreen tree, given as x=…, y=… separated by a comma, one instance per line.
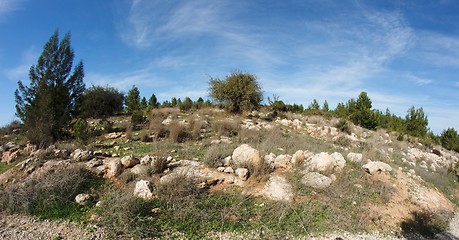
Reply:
x=47, y=106
x=450, y=139
x=174, y=102
x=325, y=107
x=143, y=103
x=152, y=102
x=416, y=122
x=187, y=104
x=199, y=103
x=132, y=101
x=314, y=105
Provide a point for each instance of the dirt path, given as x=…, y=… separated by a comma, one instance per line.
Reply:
x=14, y=227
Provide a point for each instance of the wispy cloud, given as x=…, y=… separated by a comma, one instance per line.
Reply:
x=21, y=71
x=419, y=80
x=7, y=6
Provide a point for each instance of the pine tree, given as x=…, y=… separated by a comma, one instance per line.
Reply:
x=132, y=100
x=325, y=107
x=152, y=102
x=143, y=103
x=416, y=122
x=47, y=106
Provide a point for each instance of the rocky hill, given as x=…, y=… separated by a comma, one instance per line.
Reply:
x=209, y=174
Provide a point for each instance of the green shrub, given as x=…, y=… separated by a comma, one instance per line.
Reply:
x=80, y=130
x=100, y=102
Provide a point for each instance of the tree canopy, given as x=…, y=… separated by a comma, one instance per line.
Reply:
x=238, y=91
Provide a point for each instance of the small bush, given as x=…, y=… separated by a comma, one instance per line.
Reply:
x=226, y=127
x=179, y=191
x=126, y=216
x=196, y=125
x=137, y=119
x=344, y=126
x=80, y=130
x=426, y=224
x=158, y=165
x=49, y=195
x=216, y=153
x=177, y=132
x=10, y=127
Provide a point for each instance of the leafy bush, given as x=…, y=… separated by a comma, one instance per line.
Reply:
x=100, y=102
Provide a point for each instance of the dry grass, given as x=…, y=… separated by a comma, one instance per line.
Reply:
x=226, y=127
x=177, y=132
x=126, y=216
x=196, y=124
x=216, y=153
x=50, y=194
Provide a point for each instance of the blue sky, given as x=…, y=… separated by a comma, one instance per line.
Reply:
x=403, y=53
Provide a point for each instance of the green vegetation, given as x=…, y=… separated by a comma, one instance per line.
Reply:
x=239, y=91
x=100, y=102
x=132, y=100
x=47, y=106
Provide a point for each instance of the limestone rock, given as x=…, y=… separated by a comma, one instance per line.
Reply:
x=278, y=189
x=80, y=155
x=282, y=161
x=10, y=146
x=183, y=163
x=373, y=167
x=143, y=189
x=10, y=156
x=354, y=157
x=242, y=173
x=245, y=155
x=298, y=157
x=113, y=167
x=146, y=160
x=228, y=170
x=129, y=161
x=140, y=169
x=84, y=199
x=324, y=162
x=316, y=180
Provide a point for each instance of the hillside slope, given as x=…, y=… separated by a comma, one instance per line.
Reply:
x=211, y=174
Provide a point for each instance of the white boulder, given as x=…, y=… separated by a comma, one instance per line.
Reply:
x=373, y=167
x=245, y=155
x=143, y=189
x=278, y=189
x=316, y=180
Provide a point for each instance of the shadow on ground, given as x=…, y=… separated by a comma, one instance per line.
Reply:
x=425, y=225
